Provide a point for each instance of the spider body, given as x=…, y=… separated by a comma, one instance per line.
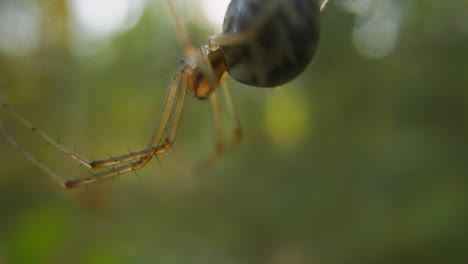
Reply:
x=204, y=75
x=285, y=35
x=264, y=43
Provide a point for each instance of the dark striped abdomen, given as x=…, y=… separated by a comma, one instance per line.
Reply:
x=286, y=36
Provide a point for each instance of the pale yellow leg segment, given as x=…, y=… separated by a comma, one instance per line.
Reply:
x=218, y=135
x=226, y=39
x=166, y=111
x=157, y=136
x=189, y=48
x=323, y=4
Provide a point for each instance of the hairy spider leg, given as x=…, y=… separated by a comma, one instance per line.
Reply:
x=231, y=107
x=170, y=113
x=218, y=136
x=30, y=157
x=144, y=156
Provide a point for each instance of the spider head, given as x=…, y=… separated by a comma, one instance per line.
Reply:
x=204, y=71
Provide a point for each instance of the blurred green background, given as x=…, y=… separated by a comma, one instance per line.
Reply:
x=361, y=159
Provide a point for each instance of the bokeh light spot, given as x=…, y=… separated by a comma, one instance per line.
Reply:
x=214, y=11
x=19, y=28
x=287, y=119
x=106, y=17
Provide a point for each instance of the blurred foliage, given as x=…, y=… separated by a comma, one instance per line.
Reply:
x=359, y=160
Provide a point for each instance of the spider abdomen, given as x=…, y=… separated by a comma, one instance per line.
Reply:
x=285, y=37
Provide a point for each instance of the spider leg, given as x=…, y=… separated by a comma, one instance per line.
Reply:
x=172, y=108
x=147, y=154
x=237, y=130
x=218, y=135
x=133, y=166
x=218, y=127
x=174, y=100
x=323, y=3
x=226, y=39
x=164, y=119
x=184, y=38
x=156, y=147
x=171, y=113
x=78, y=182
x=31, y=158
x=49, y=140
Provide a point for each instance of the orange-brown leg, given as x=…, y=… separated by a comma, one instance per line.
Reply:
x=220, y=146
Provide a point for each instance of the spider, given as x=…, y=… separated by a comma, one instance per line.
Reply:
x=263, y=44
